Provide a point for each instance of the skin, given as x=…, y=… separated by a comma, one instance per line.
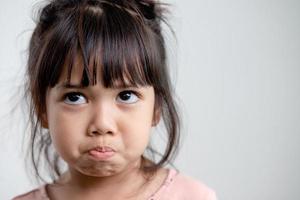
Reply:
x=79, y=119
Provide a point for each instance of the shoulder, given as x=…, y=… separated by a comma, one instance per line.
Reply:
x=36, y=194
x=185, y=187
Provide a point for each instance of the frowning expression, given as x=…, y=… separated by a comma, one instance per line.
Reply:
x=99, y=131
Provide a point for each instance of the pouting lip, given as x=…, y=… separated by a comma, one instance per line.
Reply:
x=102, y=149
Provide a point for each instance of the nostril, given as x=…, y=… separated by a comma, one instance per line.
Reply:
x=109, y=132
x=98, y=132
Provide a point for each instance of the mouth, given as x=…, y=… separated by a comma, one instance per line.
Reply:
x=101, y=153
x=103, y=149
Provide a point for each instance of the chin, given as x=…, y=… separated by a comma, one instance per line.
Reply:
x=97, y=169
x=95, y=172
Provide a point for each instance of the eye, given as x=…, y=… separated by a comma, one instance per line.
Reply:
x=74, y=98
x=128, y=97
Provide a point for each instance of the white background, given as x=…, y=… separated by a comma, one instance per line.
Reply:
x=238, y=69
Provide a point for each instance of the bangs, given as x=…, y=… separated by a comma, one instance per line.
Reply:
x=111, y=41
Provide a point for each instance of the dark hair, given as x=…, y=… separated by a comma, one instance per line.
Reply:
x=122, y=38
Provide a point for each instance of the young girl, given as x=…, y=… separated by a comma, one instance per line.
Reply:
x=97, y=84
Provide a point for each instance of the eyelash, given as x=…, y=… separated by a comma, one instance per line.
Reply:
x=136, y=94
x=66, y=95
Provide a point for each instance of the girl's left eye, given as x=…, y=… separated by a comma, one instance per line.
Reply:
x=128, y=97
x=74, y=98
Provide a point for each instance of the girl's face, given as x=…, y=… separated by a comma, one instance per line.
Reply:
x=99, y=131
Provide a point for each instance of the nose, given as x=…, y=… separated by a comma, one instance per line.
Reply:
x=102, y=121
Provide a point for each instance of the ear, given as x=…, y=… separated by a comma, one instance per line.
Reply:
x=156, y=116
x=44, y=120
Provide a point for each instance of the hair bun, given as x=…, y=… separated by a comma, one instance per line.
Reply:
x=147, y=8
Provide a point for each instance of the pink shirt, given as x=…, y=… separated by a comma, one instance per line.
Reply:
x=175, y=187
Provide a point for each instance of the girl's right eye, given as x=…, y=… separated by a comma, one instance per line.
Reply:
x=74, y=98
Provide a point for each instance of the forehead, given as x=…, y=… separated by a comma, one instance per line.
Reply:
x=74, y=73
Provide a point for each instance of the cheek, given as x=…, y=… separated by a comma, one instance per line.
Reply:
x=66, y=132
x=135, y=141
x=136, y=130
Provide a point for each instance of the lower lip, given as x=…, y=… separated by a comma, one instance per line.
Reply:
x=101, y=155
